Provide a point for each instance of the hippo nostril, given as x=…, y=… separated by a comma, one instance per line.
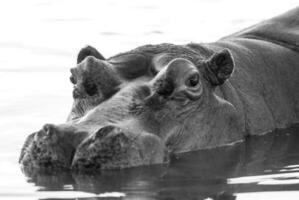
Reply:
x=38, y=134
x=46, y=131
x=49, y=130
x=50, y=133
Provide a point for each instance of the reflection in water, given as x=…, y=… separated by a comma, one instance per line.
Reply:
x=263, y=163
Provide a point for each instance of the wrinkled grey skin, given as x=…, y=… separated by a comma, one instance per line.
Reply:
x=139, y=107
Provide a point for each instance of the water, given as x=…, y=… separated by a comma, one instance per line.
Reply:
x=265, y=166
x=39, y=40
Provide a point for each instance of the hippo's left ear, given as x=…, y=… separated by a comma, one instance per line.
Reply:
x=89, y=51
x=219, y=67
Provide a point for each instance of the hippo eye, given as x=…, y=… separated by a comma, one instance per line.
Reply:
x=193, y=80
x=73, y=80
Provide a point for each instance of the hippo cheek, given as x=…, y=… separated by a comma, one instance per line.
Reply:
x=113, y=148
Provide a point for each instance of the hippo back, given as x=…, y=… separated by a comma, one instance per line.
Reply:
x=282, y=30
x=266, y=74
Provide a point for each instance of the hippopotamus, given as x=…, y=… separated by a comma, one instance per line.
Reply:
x=143, y=106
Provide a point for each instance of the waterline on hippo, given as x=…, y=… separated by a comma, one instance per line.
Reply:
x=140, y=107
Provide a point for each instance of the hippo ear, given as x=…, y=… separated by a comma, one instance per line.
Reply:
x=219, y=67
x=88, y=51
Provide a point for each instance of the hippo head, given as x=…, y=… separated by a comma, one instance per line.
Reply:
x=136, y=108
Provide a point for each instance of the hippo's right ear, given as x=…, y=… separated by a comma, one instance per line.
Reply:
x=219, y=67
x=88, y=51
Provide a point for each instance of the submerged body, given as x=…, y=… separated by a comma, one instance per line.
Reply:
x=138, y=107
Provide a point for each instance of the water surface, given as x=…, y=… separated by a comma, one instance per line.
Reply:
x=262, y=167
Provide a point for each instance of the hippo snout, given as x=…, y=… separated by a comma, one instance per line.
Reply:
x=111, y=147
x=47, y=149
x=114, y=148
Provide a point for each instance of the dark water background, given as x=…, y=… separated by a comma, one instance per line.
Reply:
x=39, y=41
